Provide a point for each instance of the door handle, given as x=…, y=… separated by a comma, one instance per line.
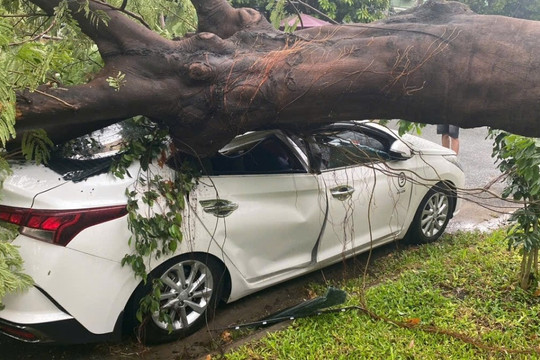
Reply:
x=218, y=207
x=342, y=192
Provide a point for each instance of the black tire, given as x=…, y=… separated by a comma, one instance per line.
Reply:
x=432, y=215
x=191, y=292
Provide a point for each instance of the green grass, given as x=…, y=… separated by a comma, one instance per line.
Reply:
x=454, y=299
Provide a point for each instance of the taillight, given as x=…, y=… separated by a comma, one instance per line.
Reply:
x=58, y=226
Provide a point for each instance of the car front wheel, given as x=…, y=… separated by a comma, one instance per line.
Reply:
x=432, y=215
x=189, y=294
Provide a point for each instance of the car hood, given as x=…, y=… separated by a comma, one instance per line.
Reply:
x=425, y=147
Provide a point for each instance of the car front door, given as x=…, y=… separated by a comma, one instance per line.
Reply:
x=263, y=208
x=368, y=195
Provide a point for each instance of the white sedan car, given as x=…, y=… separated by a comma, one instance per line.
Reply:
x=270, y=206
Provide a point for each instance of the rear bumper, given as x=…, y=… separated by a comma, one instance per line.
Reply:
x=32, y=316
x=68, y=331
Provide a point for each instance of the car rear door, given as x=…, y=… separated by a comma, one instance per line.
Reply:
x=263, y=208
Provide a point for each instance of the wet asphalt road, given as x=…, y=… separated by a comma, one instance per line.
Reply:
x=480, y=210
x=474, y=155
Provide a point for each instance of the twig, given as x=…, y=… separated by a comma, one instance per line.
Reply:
x=49, y=37
x=453, y=334
x=127, y=12
x=184, y=19
x=56, y=98
x=22, y=15
x=297, y=13
x=38, y=36
x=317, y=11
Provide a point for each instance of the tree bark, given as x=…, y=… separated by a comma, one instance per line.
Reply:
x=439, y=63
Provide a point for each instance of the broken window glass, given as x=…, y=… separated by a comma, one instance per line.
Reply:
x=347, y=148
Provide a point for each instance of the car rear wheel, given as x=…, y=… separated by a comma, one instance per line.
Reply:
x=432, y=215
x=191, y=288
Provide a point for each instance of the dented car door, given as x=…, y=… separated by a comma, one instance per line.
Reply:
x=262, y=206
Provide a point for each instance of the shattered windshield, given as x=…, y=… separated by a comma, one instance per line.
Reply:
x=102, y=143
x=93, y=154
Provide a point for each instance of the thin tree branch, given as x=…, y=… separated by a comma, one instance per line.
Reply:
x=297, y=13
x=38, y=36
x=181, y=18
x=317, y=11
x=49, y=37
x=127, y=12
x=22, y=15
x=56, y=98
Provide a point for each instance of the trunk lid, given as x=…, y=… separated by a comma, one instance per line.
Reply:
x=27, y=181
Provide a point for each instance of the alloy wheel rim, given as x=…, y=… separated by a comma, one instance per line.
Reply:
x=185, y=295
x=434, y=214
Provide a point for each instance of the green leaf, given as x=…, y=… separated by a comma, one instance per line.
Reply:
x=36, y=146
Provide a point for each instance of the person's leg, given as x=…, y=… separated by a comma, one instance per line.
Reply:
x=442, y=129
x=445, y=140
x=453, y=132
x=455, y=144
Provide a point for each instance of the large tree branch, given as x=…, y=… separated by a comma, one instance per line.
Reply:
x=220, y=18
x=437, y=64
x=459, y=67
x=117, y=35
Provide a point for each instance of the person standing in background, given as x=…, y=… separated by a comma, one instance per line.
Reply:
x=450, y=136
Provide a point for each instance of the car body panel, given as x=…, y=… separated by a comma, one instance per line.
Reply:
x=277, y=223
x=21, y=188
x=31, y=307
x=96, y=191
x=95, y=298
x=425, y=146
x=353, y=222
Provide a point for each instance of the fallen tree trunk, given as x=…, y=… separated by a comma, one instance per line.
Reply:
x=439, y=63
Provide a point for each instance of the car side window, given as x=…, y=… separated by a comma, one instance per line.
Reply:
x=268, y=156
x=347, y=148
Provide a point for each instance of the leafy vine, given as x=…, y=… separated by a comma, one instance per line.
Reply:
x=155, y=205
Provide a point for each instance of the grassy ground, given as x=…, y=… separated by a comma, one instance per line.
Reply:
x=454, y=299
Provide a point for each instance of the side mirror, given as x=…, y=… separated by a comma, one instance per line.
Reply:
x=400, y=151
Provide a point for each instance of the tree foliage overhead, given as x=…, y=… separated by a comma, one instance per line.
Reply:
x=341, y=11
x=439, y=63
x=523, y=9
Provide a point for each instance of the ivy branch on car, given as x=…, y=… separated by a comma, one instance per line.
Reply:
x=155, y=205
